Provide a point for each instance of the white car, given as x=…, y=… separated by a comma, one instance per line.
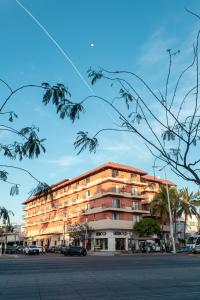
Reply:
x=41, y=249
x=32, y=249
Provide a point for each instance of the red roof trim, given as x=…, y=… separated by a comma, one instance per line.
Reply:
x=159, y=180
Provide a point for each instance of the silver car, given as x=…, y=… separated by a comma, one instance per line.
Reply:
x=196, y=249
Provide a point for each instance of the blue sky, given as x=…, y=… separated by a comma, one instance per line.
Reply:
x=132, y=35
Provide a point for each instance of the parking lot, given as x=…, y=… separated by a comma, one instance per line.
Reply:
x=53, y=276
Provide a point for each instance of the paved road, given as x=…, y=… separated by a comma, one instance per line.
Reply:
x=100, y=278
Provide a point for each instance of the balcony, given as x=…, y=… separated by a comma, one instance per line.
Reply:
x=116, y=193
x=122, y=208
x=55, y=230
x=119, y=193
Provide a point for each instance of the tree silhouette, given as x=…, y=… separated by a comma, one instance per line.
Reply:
x=168, y=125
x=26, y=141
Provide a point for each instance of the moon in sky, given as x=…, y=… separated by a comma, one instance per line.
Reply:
x=92, y=45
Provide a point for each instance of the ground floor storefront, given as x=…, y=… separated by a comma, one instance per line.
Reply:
x=111, y=240
x=107, y=240
x=104, y=240
x=45, y=240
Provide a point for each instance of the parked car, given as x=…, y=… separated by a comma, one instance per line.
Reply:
x=20, y=249
x=184, y=249
x=193, y=241
x=33, y=249
x=196, y=249
x=63, y=249
x=11, y=249
x=41, y=249
x=53, y=249
x=75, y=251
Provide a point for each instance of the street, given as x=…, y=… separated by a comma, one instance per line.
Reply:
x=53, y=276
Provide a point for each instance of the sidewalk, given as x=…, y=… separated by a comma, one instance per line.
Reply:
x=9, y=256
x=109, y=253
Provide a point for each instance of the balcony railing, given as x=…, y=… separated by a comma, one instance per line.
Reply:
x=122, y=208
x=119, y=192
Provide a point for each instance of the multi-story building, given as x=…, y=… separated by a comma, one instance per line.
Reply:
x=109, y=199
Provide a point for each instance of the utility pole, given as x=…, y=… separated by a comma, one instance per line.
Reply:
x=170, y=216
x=86, y=232
x=64, y=233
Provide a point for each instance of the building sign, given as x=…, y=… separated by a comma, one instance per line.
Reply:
x=120, y=233
x=100, y=233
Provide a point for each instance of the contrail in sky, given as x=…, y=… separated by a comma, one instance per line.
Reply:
x=66, y=56
x=57, y=45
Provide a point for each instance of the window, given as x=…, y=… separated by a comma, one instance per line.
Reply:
x=136, y=218
x=87, y=193
x=115, y=216
x=135, y=205
x=116, y=203
x=150, y=197
x=102, y=244
x=115, y=173
x=134, y=191
x=77, y=185
x=87, y=206
x=133, y=177
x=115, y=189
x=74, y=200
x=87, y=180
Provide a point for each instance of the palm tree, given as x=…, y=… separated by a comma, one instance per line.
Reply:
x=5, y=217
x=159, y=204
x=188, y=205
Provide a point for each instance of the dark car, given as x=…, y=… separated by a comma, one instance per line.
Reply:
x=73, y=250
x=11, y=249
x=53, y=249
x=20, y=249
x=62, y=249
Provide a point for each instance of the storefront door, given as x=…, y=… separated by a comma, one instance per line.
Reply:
x=120, y=244
x=102, y=244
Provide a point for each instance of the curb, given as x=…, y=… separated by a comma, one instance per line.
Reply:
x=8, y=256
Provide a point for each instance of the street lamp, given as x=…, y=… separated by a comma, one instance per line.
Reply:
x=64, y=232
x=86, y=233
x=171, y=227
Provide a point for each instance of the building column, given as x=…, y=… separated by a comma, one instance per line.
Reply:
x=111, y=244
x=126, y=243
